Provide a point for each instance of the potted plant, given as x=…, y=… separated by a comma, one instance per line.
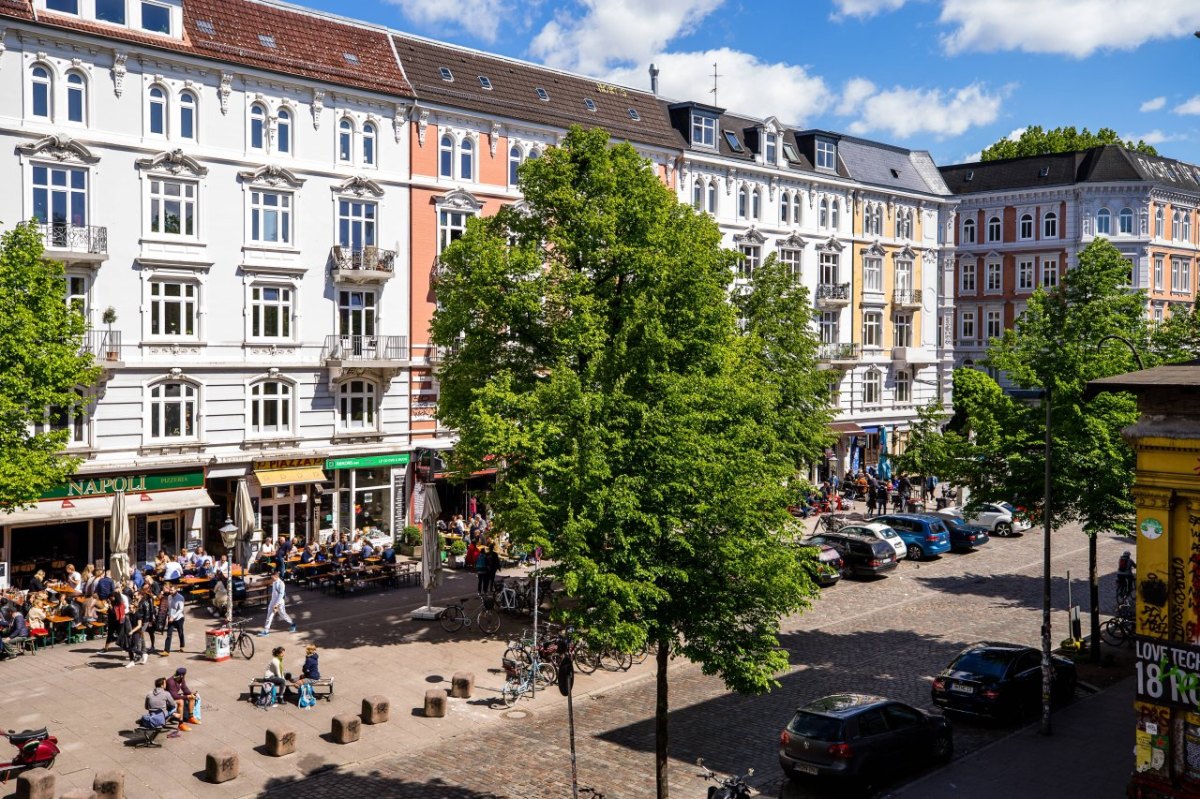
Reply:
x=458, y=548
x=111, y=351
x=410, y=541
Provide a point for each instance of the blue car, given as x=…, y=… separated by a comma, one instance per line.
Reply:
x=923, y=535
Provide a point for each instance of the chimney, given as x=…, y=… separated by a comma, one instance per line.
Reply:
x=654, y=80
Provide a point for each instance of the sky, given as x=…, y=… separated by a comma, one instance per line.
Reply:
x=947, y=76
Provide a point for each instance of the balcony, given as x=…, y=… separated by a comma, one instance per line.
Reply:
x=832, y=294
x=838, y=354
x=366, y=265
x=104, y=346
x=906, y=298
x=379, y=357
x=63, y=242
x=913, y=355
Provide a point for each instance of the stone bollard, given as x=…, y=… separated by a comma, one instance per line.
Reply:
x=37, y=783
x=375, y=709
x=462, y=684
x=280, y=741
x=109, y=785
x=346, y=729
x=221, y=766
x=435, y=703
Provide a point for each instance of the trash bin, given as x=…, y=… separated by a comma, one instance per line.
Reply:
x=216, y=645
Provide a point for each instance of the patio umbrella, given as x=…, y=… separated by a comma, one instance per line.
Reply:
x=885, y=467
x=118, y=541
x=431, y=558
x=243, y=517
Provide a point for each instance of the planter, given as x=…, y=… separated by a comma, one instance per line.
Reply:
x=412, y=552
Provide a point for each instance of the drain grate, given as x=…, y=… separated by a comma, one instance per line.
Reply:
x=516, y=715
x=77, y=666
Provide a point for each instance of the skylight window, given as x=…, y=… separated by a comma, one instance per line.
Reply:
x=351, y=58
x=789, y=152
x=732, y=140
x=590, y=104
x=970, y=176
x=446, y=74
x=895, y=173
x=634, y=115
x=206, y=26
x=1044, y=172
x=266, y=41
x=485, y=82
x=543, y=95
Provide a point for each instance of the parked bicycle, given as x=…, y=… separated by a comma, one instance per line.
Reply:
x=457, y=616
x=240, y=640
x=1120, y=629
x=521, y=679
x=510, y=598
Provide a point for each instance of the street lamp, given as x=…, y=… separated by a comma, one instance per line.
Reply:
x=229, y=533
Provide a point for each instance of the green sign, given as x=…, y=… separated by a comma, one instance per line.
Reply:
x=82, y=486
x=399, y=459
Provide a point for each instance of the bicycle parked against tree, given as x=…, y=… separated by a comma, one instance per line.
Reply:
x=457, y=616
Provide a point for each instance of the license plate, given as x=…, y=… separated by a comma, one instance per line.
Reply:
x=804, y=768
x=962, y=689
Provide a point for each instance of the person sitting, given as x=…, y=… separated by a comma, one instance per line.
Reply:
x=268, y=549
x=37, y=582
x=172, y=571
x=339, y=548
x=185, y=561
x=15, y=634
x=184, y=697
x=389, y=553
x=311, y=670
x=203, y=563
x=367, y=550
x=160, y=562
x=74, y=579
x=221, y=566
x=220, y=595
x=160, y=701
x=89, y=580
x=357, y=544
x=306, y=555
x=275, y=673
x=36, y=615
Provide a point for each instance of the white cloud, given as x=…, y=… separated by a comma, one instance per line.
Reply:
x=1016, y=134
x=480, y=18
x=855, y=92
x=1068, y=27
x=1191, y=106
x=864, y=8
x=903, y=112
x=1155, y=136
x=1155, y=104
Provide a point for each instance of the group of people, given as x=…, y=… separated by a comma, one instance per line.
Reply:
x=867, y=485
x=341, y=548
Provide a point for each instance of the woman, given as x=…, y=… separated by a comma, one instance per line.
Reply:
x=37, y=583
x=89, y=580
x=36, y=615
x=160, y=562
x=275, y=673
x=311, y=670
x=138, y=616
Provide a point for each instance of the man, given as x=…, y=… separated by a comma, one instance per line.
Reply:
x=276, y=605
x=282, y=552
x=389, y=553
x=186, y=700
x=367, y=550
x=174, y=618
x=139, y=579
x=16, y=632
x=160, y=701
x=1125, y=568
x=172, y=571
x=222, y=566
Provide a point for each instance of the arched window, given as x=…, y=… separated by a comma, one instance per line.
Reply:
x=368, y=144
x=446, y=157
x=834, y=207
x=1158, y=222
x=968, y=231
x=356, y=405
x=903, y=388
x=514, y=162
x=1127, y=221
x=1050, y=225
x=1175, y=225
x=741, y=206
x=535, y=154
x=466, y=159
x=76, y=97
x=796, y=208
x=785, y=208
x=823, y=213
x=993, y=229
x=698, y=195
x=158, y=111
x=756, y=204
x=1103, y=222
x=712, y=197
x=1026, y=226
x=270, y=407
x=345, y=141
x=258, y=127
x=187, y=115
x=872, y=387
x=39, y=76
x=1187, y=225
x=283, y=131
x=172, y=410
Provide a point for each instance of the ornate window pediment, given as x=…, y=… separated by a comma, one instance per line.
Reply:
x=272, y=176
x=360, y=186
x=459, y=199
x=875, y=250
x=831, y=245
x=907, y=254
x=60, y=148
x=792, y=242
x=751, y=236
x=173, y=161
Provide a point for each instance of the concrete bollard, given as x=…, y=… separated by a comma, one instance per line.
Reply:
x=462, y=684
x=37, y=783
x=375, y=709
x=109, y=785
x=346, y=729
x=221, y=766
x=435, y=703
x=280, y=741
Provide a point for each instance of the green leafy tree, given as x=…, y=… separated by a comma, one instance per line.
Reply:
x=41, y=363
x=1034, y=140
x=932, y=451
x=1177, y=338
x=646, y=441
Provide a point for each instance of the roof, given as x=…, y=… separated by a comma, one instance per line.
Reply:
x=889, y=167
x=306, y=44
x=1104, y=164
x=514, y=86
x=1178, y=375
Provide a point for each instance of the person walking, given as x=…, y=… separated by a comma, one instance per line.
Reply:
x=277, y=606
x=493, y=566
x=174, y=622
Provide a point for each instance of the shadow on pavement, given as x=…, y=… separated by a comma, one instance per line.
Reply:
x=376, y=785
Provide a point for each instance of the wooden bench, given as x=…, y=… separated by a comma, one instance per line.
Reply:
x=321, y=688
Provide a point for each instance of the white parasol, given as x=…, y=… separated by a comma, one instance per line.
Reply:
x=243, y=517
x=118, y=541
x=431, y=557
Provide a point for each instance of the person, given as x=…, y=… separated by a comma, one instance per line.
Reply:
x=74, y=579
x=89, y=580
x=1125, y=569
x=275, y=673
x=115, y=631
x=16, y=633
x=311, y=670
x=36, y=614
x=220, y=600
x=481, y=570
x=221, y=566
x=367, y=550
x=105, y=586
x=172, y=571
x=306, y=555
x=138, y=619
x=160, y=700
x=184, y=697
x=493, y=566
x=138, y=577
x=277, y=605
x=174, y=619
x=37, y=582
x=204, y=563
x=339, y=547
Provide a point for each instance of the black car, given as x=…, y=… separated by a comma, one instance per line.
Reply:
x=963, y=536
x=1001, y=681
x=862, y=556
x=825, y=564
x=861, y=740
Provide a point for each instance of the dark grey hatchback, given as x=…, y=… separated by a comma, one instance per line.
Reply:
x=861, y=740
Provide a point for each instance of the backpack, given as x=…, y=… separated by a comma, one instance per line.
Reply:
x=307, y=697
x=267, y=697
x=481, y=562
x=153, y=720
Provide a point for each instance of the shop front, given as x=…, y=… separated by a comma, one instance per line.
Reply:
x=367, y=496
x=287, y=496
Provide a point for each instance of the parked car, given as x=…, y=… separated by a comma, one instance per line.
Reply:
x=827, y=568
x=963, y=536
x=882, y=532
x=994, y=517
x=861, y=740
x=861, y=556
x=1001, y=681
x=923, y=534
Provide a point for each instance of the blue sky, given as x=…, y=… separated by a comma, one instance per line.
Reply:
x=948, y=76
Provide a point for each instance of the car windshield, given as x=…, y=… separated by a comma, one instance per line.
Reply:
x=819, y=728
x=983, y=662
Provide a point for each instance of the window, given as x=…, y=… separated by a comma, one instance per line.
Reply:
x=156, y=18
x=356, y=313
x=834, y=207
x=902, y=330
x=270, y=312
x=903, y=388
x=634, y=115
x=172, y=410
x=731, y=140
x=785, y=207
x=826, y=154
x=966, y=326
x=40, y=78
x=904, y=277
x=873, y=274
x=446, y=156
x=789, y=152
x=1158, y=222
x=172, y=207
x=266, y=41
x=345, y=141
x=112, y=11
x=283, y=131
x=514, y=161
x=158, y=111
x=1103, y=222
x=187, y=115
x=745, y=268
x=485, y=82
x=258, y=127
x=368, y=144
x=1187, y=226
x=356, y=224
x=742, y=202
x=872, y=387
x=270, y=217
x=172, y=308
x=772, y=149
x=542, y=94
x=446, y=74
x=77, y=294
x=872, y=329
x=270, y=407
x=1050, y=225
x=1049, y=274
x=697, y=195
x=823, y=213
x=829, y=327
x=995, y=327
x=1126, y=221
x=72, y=418
x=796, y=208
x=76, y=90
x=1158, y=273
x=704, y=131
x=712, y=197
x=356, y=405
x=63, y=6
x=966, y=276
x=995, y=279
x=873, y=219
x=589, y=104
x=756, y=204
x=1181, y=276
x=1024, y=275
x=968, y=231
x=790, y=258
x=351, y=58
x=829, y=269
x=903, y=223
x=1026, y=226
x=451, y=226
x=60, y=198
x=993, y=229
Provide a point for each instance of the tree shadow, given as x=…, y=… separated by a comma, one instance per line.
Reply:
x=377, y=784
x=1019, y=590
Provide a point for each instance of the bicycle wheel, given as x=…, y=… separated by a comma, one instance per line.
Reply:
x=640, y=654
x=624, y=660
x=517, y=654
x=1114, y=631
x=585, y=660
x=488, y=620
x=510, y=693
x=246, y=646
x=452, y=618
x=547, y=674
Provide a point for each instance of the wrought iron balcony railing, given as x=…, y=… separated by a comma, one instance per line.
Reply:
x=366, y=259
x=90, y=239
x=365, y=348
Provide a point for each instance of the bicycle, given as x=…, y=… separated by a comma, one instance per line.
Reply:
x=456, y=616
x=509, y=599
x=1120, y=629
x=240, y=640
x=1125, y=593
x=520, y=680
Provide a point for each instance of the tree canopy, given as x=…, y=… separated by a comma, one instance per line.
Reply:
x=42, y=362
x=1034, y=140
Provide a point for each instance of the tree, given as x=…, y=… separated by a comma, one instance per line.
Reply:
x=930, y=451
x=42, y=362
x=1036, y=141
x=645, y=441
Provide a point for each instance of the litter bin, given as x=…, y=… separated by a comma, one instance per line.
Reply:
x=216, y=645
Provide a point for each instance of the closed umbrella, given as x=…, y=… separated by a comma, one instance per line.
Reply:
x=243, y=517
x=431, y=560
x=119, y=539
x=885, y=467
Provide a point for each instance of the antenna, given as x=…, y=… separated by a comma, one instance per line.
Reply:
x=713, y=91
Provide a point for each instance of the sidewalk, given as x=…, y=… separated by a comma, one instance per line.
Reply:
x=1089, y=756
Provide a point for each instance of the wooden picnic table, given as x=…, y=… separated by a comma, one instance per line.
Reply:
x=54, y=622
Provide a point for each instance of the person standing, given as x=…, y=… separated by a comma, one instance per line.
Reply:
x=277, y=605
x=137, y=618
x=493, y=566
x=481, y=571
x=174, y=622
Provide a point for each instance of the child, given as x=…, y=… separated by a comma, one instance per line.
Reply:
x=311, y=669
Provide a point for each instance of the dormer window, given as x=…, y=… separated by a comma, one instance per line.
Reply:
x=771, y=149
x=704, y=131
x=63, y=6
x=114, y=11
x=156, y=18
x=826, y=154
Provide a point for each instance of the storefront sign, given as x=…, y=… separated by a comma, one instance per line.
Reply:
x=131, y=483
x=399, y=502
x=288, y=463
x=399, y=459
x=1168, y=673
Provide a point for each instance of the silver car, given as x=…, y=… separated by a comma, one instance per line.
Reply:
x=994, y=516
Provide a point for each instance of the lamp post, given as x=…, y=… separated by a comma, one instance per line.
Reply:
x=229, y=531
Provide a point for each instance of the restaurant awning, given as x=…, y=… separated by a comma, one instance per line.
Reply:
x=78, y=508
x=846, y=428
x=298, y=474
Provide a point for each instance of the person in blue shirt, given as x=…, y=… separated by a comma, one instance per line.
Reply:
x=389, y=554
x=367, y=550
x=306, y=555
x=339, y=548
x=138, y=578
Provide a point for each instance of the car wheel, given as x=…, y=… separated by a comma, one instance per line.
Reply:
x=1003, y=529
x=915, y=552
x=943, y=748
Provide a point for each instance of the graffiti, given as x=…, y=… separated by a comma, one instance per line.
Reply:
x=1193, y=588
x=1153, y=714
x=1153, y=621
x=1179, y=599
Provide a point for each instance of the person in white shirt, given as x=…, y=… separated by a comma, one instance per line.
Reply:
x=172, y=571
x=74, y=578
x=277, y=606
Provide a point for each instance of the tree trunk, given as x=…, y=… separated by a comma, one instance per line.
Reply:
x=660, y=721
x=1094, y=599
